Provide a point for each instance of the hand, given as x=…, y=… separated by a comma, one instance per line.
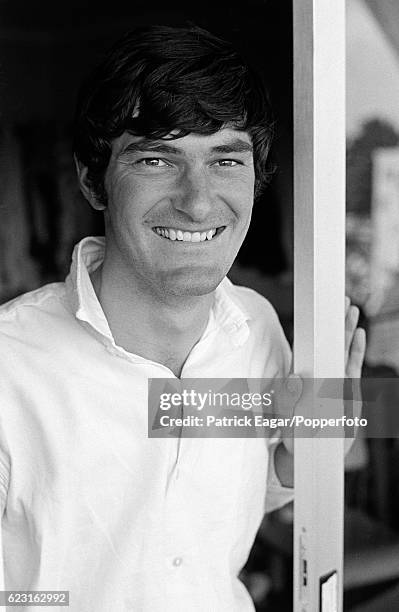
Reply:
x=355, y=348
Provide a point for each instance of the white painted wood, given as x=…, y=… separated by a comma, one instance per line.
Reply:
x=319, y=248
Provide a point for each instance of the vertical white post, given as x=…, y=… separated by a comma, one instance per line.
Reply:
x=319, y=250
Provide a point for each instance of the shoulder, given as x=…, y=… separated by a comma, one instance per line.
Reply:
x=254, y=305
x=23, y=316
x=32, y=299
x=266, y=342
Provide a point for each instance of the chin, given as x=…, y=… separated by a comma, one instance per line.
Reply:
x=197, y=283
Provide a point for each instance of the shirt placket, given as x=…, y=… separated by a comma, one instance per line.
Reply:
x=178, y=542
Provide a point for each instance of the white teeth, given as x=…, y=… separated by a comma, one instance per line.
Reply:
x=173, y=234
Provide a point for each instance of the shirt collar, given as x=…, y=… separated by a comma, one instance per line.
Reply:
x=88, y=254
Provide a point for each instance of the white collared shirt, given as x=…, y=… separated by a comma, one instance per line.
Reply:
x=94, y=506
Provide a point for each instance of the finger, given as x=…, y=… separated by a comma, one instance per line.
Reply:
x=358, y=346
x=289, y=395
x=356, y=354
x=294, y=384
x=351, y=320
x=347, y=303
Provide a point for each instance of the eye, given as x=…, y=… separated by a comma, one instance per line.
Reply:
x=153, y=162
x=228, y=163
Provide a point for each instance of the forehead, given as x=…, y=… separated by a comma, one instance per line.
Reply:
x=224, y=141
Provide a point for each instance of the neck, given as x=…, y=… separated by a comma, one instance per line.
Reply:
x=161, y=328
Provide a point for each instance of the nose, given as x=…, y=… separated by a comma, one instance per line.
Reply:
x=194, y=198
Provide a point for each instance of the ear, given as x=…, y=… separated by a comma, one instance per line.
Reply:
x=85, y=186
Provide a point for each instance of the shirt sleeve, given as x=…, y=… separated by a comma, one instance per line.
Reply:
x=4, y=480
x=276, y=494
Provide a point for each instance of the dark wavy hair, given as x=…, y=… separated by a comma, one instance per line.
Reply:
x=157, y=79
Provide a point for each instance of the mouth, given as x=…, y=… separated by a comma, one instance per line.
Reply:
x=179, y=235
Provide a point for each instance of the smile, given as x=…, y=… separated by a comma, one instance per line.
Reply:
x=184, y=236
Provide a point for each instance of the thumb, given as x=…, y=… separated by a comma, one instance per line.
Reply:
x=289, y=394
x=294, y=386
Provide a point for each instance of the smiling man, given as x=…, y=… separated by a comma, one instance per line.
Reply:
x=174, y=224
x=172, y=134
x=185, y=213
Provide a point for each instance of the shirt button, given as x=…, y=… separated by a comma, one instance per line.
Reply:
x=177, y=561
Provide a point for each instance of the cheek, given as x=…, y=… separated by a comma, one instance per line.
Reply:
x=124, y=203
x=121, y=188
x=242, y=187
x=243, y=198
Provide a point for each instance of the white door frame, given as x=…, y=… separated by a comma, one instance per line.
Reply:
x=319, y=286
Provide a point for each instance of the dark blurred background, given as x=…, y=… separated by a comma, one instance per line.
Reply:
x=45, y=50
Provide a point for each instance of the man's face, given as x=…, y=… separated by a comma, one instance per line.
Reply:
x=178, y=210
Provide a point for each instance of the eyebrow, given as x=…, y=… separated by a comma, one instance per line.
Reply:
x=236, y=145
